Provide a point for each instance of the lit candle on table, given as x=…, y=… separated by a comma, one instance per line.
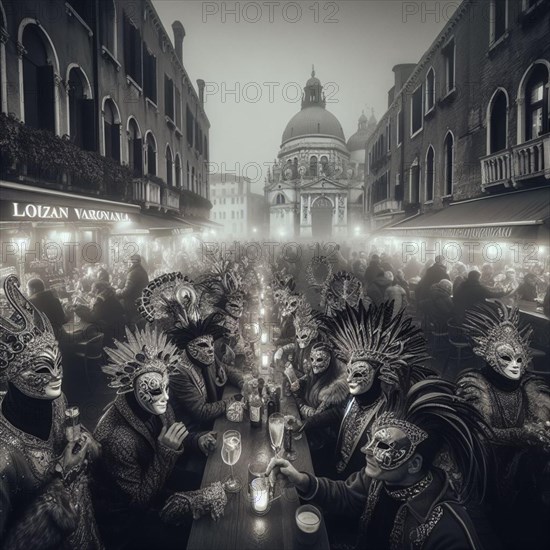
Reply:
x=260, y=494
x=265, y=360
x=264, y=338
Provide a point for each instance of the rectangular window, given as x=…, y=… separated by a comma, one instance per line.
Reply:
x=416, y=111
x=400, y=127
x=430, y=90
x=449, y=55
x=190, y=125
x=498, y=19
x=149, y=74
x=388, y=132
x=168, y=97
x=177, y=100
x=132, y=51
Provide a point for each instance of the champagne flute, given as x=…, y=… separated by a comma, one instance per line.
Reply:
x=276, y=431
x=231, y=452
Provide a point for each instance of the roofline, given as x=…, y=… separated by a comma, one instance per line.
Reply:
x=314, y=135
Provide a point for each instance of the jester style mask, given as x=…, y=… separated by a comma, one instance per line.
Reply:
x=29, y=353
x=320, y=358
x=393, y=442
x=142, y=365
x=151, y=389
x=201, y=350
x=498, y=339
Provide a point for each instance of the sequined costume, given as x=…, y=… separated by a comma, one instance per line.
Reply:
x=41, y=505
x=516, y=405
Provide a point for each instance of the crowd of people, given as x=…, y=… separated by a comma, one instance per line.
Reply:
x=402, y=458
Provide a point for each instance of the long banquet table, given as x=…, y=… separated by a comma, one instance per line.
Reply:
x=239, y=528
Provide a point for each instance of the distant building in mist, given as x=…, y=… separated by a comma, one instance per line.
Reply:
x=315, y=187
x=470, y=121
x=242, y=213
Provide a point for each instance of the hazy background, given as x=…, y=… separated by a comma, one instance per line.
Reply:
x=353, y=44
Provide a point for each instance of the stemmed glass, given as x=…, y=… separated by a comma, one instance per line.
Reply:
x=231, y=452
x=276, y=431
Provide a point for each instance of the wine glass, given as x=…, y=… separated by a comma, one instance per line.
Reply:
x=231, y=452
x=276, y=431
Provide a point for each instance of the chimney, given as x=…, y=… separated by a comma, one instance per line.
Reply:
x=179, y=35
x=402, y=73
x=201, y=84
x=391, y=96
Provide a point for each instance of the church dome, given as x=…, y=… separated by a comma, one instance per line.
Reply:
x=365, y=127
x=313, y=121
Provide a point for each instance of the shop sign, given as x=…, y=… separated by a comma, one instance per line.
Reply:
x=44, y=212
x=459, y=232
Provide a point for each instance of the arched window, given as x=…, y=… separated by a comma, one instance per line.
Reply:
x=280, y=199
x=151, y=154
x=324, y=165
x=430, y=173
x=414, y=182
x=448, y=164
x=178, y=171
x=169, y=166
x=111, y=129
x=498, y=122
x=81, y=110
x=135, y=148
x=536, y=103
x=38, y=81
x=313, y=166
x=108, y=25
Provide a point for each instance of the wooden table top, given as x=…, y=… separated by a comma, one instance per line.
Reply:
x=240, y=528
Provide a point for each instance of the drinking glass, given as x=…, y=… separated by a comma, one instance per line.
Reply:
x=276, y=431
x=231, y=452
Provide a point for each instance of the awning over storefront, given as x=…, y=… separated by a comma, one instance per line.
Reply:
x=522, y=215
x=22, y=203
x=156, y=226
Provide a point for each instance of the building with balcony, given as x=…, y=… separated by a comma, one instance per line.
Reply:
x=315, y=187
x=241, y=213
x=469, y=123
x=99, y=115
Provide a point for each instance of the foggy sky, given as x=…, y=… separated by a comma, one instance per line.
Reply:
x=353, y=44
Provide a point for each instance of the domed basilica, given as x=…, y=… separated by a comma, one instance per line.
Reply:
x=315, y=187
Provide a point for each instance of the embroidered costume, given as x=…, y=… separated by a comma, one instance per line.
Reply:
x=41, y=504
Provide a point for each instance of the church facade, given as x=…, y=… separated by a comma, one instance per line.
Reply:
x=315, y=187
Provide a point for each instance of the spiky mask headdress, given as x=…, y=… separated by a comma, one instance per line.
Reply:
x=168, y=297
x=146, y=351
x=497, y=336
x=27, y=344
x=376, y=336
x=342, y=288
x=184, y=332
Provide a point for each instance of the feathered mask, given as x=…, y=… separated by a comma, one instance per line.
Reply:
x=168, y=297
x=497, y=336
x=375, y=335
x=146, y=351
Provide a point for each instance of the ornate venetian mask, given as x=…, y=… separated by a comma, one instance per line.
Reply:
x=202, y=350
x=42, y=372
x=510, y=360
x=393, y=442
x=151, y=391
x=360, y=376
x=320, y=360
x=290, y=305
x=304, y=336
x=235, y=305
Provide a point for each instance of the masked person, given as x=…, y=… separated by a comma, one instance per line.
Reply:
x=517, y=407
x=306, y=325
x=141, y=443
x=381, y=352
x=44, y=496
x=399, y=497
